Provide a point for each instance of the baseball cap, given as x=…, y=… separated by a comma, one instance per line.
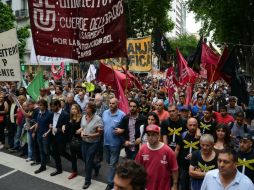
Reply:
x=153, y=128
x=246, y=136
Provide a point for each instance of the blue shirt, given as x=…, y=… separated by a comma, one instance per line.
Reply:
x=43, y=120
x=212, y=182
x=110, y=122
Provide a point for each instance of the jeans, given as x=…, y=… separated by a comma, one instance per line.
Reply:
x=17, y=136
x=112, y=154
x=43, y=143
x=30, y=144
x=89, y=151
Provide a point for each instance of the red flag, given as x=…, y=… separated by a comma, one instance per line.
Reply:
x=189, y=91
x=186, y=74
x=117, y=81
x=171, y=83
x=209, y=61
x=106, y=75
x=57, y=73
x=119, y=92
x=133, y=79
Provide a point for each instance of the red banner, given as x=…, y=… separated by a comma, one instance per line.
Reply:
x=82, y=30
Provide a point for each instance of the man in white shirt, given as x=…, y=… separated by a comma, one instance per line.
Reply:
x=226, y=176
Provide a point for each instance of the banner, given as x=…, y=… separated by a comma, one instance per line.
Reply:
x=81, y=30
x=9, y=56
x=139, y=54
x=44, y=60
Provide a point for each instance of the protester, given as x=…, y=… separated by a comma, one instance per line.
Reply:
x=226, y=176
x=132, y=123
x=152, y=118
x=91, y=125
x=4, y=108
x=188, y=144
x=222, y=138
x=202, y=161
x=74, y=130
x=44, y=119
x=130, y=176
x=158, y=158
x=246, y=156
x=112, y=137
x=58, y=138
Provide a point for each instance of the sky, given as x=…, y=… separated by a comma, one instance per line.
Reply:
x=191, y=25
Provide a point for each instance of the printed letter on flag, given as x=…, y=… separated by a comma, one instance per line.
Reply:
x=9, y=56
x=80, y=30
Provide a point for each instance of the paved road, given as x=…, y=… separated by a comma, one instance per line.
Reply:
x=16, y=173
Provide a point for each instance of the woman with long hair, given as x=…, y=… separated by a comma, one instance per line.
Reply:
x=4, y=108
x=74, y=130
x=152, y=118
x=222, y=138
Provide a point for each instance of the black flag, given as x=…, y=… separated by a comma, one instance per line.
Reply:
x=161, y=45
x=195, y=59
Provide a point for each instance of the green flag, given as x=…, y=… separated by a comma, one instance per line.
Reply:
x=34, y=88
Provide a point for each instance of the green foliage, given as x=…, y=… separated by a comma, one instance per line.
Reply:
x=229, y=21
x=6, y=18
x=23, y=33
x=185, y=43
x=143, y=15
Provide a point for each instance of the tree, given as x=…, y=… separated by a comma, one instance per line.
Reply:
x=143, y=15
x=185, y=43
x=229, y=21
x=7, y=19
x=7, y=22
x=23, y=33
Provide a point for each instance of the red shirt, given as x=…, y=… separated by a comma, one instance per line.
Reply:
x=162, y=116
x=158, y=164
x=225, y=120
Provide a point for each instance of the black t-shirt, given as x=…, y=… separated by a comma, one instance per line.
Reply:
x=207, y=127
x=144, y=110
x=249, y=163
x=173, y=130
x=189, y=144
x=198, y=162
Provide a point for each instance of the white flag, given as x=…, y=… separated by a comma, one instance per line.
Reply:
x=91, y=73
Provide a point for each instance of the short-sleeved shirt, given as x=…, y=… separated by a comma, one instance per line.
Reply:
x=91, y=127
x=159, y=164
x=110, y=122
x=207, y=127
x=198, y=162
x=43, y=121
x=173, y=130
x=163, y=116
x=246, y=164
x=189, y=144
x=224, y=120
x=212, y=181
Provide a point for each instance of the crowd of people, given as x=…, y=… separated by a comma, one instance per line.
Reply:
x=203, y=144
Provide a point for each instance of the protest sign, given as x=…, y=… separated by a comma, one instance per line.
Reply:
x=9, y=56
x=139, y=54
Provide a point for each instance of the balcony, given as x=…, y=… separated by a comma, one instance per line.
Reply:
x=21, y=14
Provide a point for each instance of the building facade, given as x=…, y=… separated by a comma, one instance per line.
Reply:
x=178, y=16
